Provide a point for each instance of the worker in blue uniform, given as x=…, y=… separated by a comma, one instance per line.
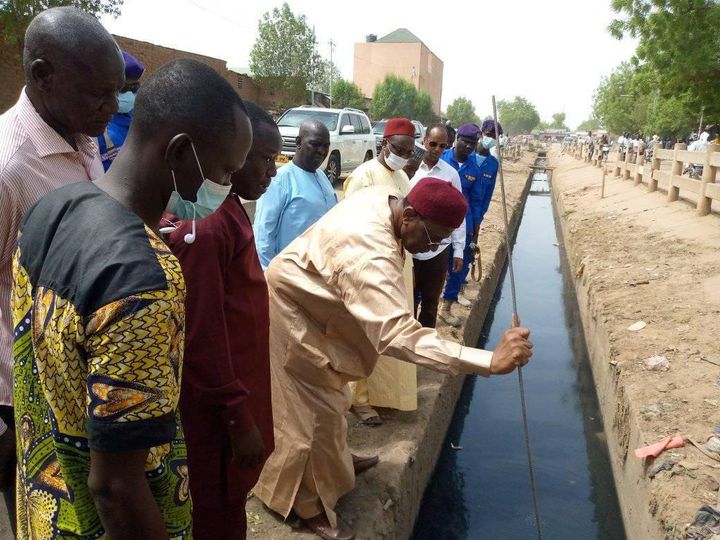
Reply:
x=116, y=131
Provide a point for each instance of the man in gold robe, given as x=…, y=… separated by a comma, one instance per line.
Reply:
x=392, y=383
x=337, y=302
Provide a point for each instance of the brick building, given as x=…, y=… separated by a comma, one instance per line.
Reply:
x=399, y=53
x=152, y=56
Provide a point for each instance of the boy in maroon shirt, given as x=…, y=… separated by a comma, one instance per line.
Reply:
x=225, y=400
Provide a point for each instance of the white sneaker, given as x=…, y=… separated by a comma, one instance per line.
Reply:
x=464, y=301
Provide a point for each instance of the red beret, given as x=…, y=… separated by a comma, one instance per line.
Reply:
x=399, y=126
x=438, y=201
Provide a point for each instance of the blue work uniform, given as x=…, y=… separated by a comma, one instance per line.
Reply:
x=477, y=177
x=114, y=137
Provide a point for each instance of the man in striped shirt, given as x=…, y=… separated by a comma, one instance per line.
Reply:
x=73, y=72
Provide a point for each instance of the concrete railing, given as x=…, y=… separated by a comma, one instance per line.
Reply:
x=663, y=171
x=512, y=151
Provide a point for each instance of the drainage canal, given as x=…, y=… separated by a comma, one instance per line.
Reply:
x=480, y=488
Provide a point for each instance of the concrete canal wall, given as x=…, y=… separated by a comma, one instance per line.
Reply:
x=387, y=498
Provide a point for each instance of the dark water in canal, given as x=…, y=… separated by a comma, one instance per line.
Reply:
x=482, y=491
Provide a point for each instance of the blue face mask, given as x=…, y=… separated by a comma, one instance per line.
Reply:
x=210, y=195
x=488, y=142
x=126, y=102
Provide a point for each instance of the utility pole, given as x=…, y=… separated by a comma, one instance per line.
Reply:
x=332, y=49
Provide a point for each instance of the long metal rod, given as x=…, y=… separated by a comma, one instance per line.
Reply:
x=516, y=322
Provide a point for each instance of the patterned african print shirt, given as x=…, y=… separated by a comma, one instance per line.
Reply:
x=98, y=327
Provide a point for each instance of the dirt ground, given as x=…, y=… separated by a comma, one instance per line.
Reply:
x=638, y=258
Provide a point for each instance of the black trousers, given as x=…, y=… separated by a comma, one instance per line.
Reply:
x=429, y=280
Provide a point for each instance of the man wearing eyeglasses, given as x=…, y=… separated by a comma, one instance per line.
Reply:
x=430, y=267
x=463, y=158
x=393, y=383
x=116, y=131
x=337, y=301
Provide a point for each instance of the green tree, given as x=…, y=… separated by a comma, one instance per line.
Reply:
x=518, y=115
x=393, y=97
x=558, y=121
x=15, y=15
x=590, y=124
x=283, y=57
x=462, y=111
x=347, y=94
x=423, y=107
x=679, y=41
x=620, y=102
x=324, y=75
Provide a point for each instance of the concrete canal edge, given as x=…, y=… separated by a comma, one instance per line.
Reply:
x=387, y=498
x=622, y=433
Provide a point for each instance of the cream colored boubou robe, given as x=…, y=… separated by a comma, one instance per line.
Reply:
x=337, y=302
x=392, y=383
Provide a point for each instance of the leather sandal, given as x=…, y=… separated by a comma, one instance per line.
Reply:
x=362, y=464
x=368, y=415
x=321, y=526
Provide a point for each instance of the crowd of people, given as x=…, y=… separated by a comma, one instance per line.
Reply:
x=160, y=354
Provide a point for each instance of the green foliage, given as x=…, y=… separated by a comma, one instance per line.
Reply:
x=518, y=115
x=558, y=121
x=15, y=15
x=462, y=111
x=283, y=57
x=423, y=107
x=324, y=75
x=679, y=42
x=394, y=97
x=347, y=94
x=591, y=124
x=620, y=103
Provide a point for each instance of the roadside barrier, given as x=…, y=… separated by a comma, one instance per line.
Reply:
x=663, y=171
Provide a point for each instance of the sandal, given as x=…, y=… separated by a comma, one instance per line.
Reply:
x=368, y=415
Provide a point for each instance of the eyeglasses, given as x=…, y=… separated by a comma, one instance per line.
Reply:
x=431, y=244
x=433, y=144
x=399, y=151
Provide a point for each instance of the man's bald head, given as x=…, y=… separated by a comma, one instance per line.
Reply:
x=73, y=70
x=68, y=33
x=313, y=145
x=313, y=127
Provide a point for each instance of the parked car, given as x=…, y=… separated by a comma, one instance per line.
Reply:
x=379, y=127
x=351, y=141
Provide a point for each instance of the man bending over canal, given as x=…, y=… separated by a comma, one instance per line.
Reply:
x=337, y=302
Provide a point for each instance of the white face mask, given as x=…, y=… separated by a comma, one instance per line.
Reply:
x=395, y=162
